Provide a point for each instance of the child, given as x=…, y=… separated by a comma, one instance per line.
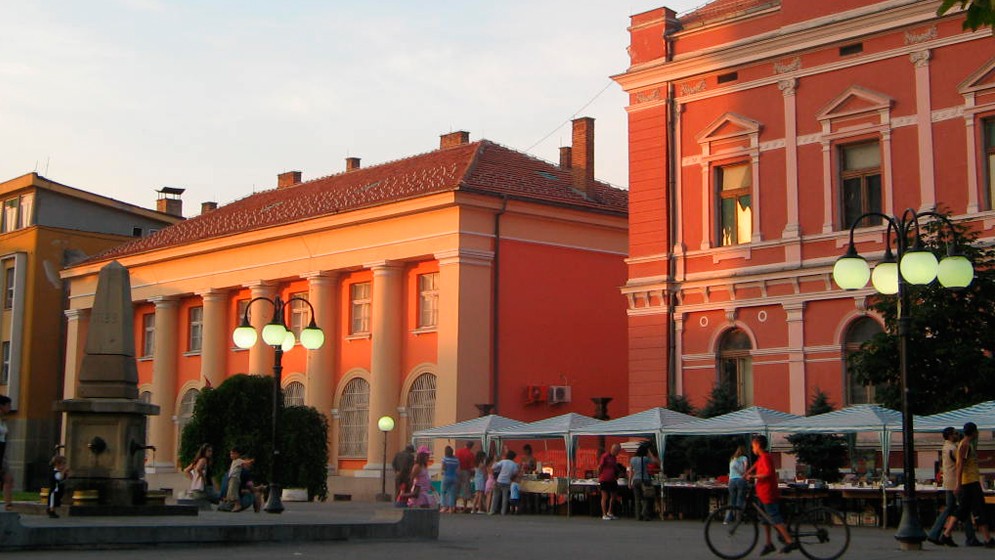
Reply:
x=56, y=481
x=513, y=496
x=479, y=482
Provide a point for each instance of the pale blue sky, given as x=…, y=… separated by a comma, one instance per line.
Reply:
x=122, y=97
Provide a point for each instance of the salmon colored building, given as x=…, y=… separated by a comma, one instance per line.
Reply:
x=469, y=275
x=758, y=131
x=45, y=225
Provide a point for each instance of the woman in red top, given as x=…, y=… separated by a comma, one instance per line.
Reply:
x=766, y=486
x=608, y=481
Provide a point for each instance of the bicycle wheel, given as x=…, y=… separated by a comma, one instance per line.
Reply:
x=735, y=539
x=821, y=533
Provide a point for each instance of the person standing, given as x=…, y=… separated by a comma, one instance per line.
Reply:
x=403, y=462
x=641, y=481
x=466, y=467
x=527, y=462
x=738, y=464
x=608, y=481
x=6, y=478
x=450, y=481
x=948, y=461
x=766, y=478
x=505, y=471
x=970, y=496
x=479, y=483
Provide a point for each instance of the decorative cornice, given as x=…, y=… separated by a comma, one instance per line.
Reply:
x=912, y=38
x=920, y=58
x=789, y=66
x=787, y=86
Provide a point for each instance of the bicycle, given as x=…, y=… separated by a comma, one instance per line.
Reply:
x=820, y=532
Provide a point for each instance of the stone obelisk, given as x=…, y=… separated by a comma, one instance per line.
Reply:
x=105, y=424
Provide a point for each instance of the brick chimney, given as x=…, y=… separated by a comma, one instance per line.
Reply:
x=454, y=139
x=288, y=179
x=565, y=157
x=207, y=207
x=582, y=153
x=169, y=201
x=352, y=163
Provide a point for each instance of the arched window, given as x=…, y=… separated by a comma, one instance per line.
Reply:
x=421, y=405
x=186, y=413
x=293, y=394
x=736, y=366
x=860, y=331
x=354, y=419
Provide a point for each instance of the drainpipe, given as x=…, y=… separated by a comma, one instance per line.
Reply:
x=495, y=297
x=672, y=226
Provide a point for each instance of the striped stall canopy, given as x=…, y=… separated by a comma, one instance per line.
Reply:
x=982, y=414
x=564, y=425
x=755, y=419
x=856, y=418
x=477, y=428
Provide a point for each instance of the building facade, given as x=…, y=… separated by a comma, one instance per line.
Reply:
x=45, y=226
x=758, y=131
x=469, y=275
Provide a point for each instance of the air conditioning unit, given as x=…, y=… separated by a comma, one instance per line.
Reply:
x=535, y=394
x=559, y=394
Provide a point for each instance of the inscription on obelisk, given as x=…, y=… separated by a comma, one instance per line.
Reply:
x=108, y=370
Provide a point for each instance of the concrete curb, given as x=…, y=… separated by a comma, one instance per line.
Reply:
x=410, y=524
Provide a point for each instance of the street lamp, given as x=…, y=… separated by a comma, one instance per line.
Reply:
x=277, y=335
x=386, y=424
x=911, y=265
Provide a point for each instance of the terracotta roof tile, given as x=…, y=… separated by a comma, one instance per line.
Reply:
x=481, y=166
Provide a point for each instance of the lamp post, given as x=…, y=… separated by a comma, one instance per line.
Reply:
x=911, y=265
x=277, y=335
x=386, y=424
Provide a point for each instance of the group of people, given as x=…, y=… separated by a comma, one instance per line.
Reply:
x=643, y=465
x=238, y=489
x=964, y=496
x=482, y=482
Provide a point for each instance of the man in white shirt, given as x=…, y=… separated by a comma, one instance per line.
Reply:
x=507, y=470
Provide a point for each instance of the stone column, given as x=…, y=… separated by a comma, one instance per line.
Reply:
x=787, y=87
x=260, y=313
x=797, y=390
x=385, y=359
x=321, y=362
x=216, y=337
x=162, y=428
x=924, y=119
x=464, y=334
x=77, y=325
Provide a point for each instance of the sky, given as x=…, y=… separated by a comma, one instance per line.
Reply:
x=124, y=97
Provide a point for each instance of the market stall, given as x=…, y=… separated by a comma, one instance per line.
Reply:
x=477, y=428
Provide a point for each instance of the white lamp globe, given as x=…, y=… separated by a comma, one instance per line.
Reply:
x=274, y=333
x=885, y=277
x=385, y=423
x=955, y=271
x=851, y=272
x=288, y=342
x=918, y=267
x=244, y=337
x=312, y=337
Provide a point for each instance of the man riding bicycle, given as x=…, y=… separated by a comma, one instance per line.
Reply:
x=766, y=488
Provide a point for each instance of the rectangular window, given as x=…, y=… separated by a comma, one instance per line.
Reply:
x=196, y=329
x=428, y=300
x=360, y=310
x=734, y=185
x=5, y=367
x=8, y=288
x=860, y=182
x=9, y=215
x=27, y=210
x=988, y=126
x=300, y=313
x=148, y=335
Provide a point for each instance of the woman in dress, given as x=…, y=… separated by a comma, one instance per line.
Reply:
x=199, y=471
x=421, y=494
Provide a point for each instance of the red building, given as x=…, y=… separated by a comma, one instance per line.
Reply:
x=758, y=131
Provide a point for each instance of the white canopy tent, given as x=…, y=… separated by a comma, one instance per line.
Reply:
x=755, y=419
x=982, y=414
x=476, y=428
x=653, y=423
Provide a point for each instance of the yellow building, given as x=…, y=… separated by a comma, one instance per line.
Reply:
x=43, y=227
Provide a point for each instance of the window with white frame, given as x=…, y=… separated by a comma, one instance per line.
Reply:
x=354, y=419
x=736, y=365
x=195, y=340
x=300, y=313
x=9, y=215
x=359, y=313
x=428, y=300
x=734, y=186
x=988, y=129
x=860, y=182
x=8, y=287
x=859, y=332
x=421, y=406
x=26, y=217
x=5, y=366
x=293, y=394
x=148, y=335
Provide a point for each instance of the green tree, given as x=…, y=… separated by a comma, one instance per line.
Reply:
x=980, y=13
x=950, y=340
x=824, y=454
x=675, y=459
x=239, y=412
x=709, y=455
